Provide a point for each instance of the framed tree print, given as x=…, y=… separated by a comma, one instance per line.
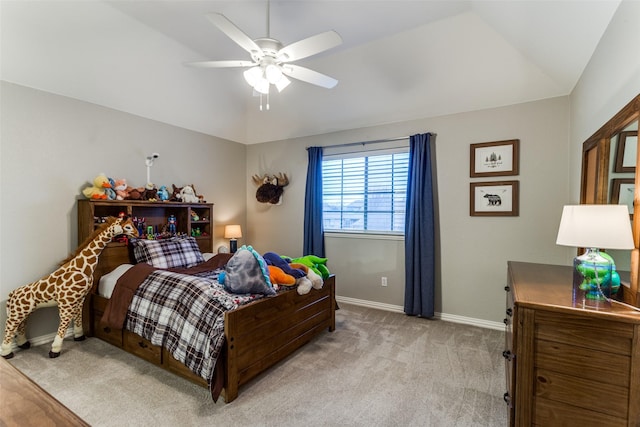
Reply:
x=500, y=158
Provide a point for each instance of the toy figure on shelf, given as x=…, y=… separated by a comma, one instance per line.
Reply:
x=172, y=224
x=194, y=216
x=196, y=232
x=139, y=222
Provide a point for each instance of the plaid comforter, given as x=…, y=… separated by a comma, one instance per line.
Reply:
x=185, y=315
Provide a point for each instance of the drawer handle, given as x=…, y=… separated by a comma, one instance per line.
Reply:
x=506, y=321
x=141, y=344
x=508, y=355
x=507, y=398
x=507, y=288
x=509, y=312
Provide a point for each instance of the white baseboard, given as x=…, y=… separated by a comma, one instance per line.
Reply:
x=42, y=339
x=499, y=326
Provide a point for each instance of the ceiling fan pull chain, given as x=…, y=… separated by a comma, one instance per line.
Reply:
x=267, y=101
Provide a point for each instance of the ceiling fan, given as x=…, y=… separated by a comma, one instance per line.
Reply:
x=270, y=60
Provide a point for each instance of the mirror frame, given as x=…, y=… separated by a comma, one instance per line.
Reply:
x=594, y=182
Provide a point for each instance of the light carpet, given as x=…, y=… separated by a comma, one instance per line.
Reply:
x=377, y=368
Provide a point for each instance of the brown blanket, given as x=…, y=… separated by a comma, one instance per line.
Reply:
x=115, y=312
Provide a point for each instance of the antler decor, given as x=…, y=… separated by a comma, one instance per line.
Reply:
x=271, y=187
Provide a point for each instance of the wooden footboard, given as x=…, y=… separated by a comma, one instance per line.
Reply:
x=258, y=334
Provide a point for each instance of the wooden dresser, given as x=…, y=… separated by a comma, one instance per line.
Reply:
x=568, y=365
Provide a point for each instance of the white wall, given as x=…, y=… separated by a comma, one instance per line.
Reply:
x=473, y=250
x=608, y=83
x=53, y=146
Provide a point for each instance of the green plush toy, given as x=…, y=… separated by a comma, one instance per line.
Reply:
x=317, y=264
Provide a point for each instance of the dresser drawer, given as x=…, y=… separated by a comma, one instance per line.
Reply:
x=143, y=348
x=592, y=333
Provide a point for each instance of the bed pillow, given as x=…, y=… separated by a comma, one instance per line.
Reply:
x=246, y=273
x=176, y=252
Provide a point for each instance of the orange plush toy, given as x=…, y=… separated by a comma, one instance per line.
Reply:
x=279, y=277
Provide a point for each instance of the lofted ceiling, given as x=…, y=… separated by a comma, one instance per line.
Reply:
x=400, y=60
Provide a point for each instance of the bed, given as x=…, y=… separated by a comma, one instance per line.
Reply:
x=257, y=334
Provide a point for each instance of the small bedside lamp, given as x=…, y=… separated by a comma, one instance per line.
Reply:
x=232, y=232
x=595, y=227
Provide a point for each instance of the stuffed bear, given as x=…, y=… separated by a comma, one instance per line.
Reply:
x=175, y=196
x=150, y=193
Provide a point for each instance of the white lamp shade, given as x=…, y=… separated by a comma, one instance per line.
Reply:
x=252, y=75
x=282, y=83
x=232, y=231
x=595, y=226
x=273, y=73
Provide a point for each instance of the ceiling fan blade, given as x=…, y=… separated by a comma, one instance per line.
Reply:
x=235, y=33
x=306, y=75
x=220, y=64
x=309, y=46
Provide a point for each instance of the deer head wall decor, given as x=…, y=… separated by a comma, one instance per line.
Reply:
x=270, y=187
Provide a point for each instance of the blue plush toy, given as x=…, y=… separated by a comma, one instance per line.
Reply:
x=274, y=259
x=163, y=193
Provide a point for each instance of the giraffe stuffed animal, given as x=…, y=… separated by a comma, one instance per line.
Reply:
x=66, y=287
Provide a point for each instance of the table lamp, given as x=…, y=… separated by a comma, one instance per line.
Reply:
x=232, y=232
x=595, y=227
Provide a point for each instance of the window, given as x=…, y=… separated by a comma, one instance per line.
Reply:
x=365, y=193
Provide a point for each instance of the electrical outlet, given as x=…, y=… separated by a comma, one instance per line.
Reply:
x=384, y=281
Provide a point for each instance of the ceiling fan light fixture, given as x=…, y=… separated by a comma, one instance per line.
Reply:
x=282, y=83
x=262, y=85
x=252, y=75
x=273, y=73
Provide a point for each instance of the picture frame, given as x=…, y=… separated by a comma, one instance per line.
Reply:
x=497, y=198
x=499, y=158
x=622, y=193
x=626, y=151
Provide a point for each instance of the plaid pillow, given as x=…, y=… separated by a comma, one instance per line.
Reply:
x=180, y=252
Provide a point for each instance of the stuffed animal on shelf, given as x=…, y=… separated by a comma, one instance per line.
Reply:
x=134, y=193
x=110, y=191
x=150, y=193
x=188, y=194
x=175, y=196
x=97, y=190
x=120, y=188
x=163, y=193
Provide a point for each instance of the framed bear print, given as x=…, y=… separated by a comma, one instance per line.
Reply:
x=500, y=198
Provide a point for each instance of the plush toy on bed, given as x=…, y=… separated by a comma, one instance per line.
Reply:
x=317, y=264
x=279, y=277
x=246, y=273
x=304, y=276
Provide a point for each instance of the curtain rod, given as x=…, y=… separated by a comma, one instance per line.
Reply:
x=373, y=141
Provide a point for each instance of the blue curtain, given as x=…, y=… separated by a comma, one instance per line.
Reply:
x=419, y=230
x=313, y=234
